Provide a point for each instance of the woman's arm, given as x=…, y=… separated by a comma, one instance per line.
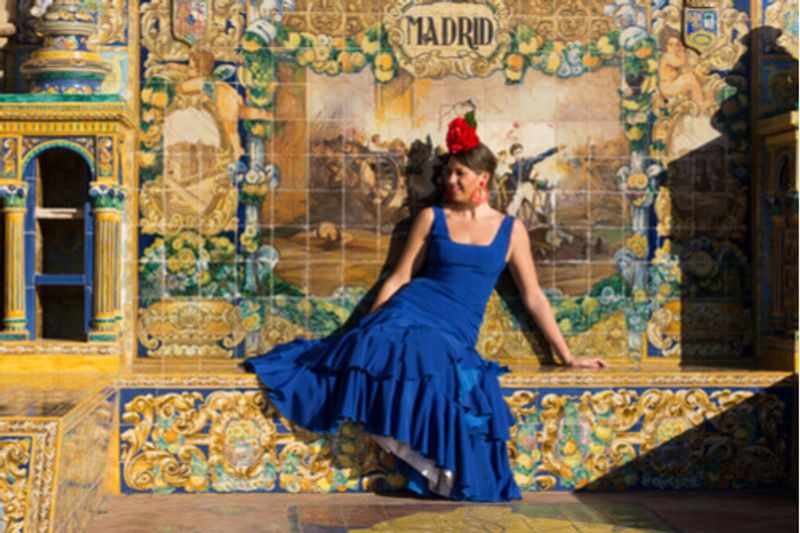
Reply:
x=411, y=259
x=524, y=273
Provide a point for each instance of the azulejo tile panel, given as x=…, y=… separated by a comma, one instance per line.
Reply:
x=232, y=441
x=238, y=118
x=694, y=431
x=651, y=438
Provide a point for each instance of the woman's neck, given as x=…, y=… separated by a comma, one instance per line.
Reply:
x=470, y=210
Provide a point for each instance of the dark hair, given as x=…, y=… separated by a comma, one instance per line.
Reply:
x=478, y=159
x=664, y=37
x=204, y=61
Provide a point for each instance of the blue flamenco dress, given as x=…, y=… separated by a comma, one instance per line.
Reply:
x=410, y=374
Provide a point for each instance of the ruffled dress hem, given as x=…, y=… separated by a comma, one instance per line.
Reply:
x=449, y=413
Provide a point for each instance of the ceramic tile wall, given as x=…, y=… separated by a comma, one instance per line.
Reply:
x=281, y=160
x=733, y=432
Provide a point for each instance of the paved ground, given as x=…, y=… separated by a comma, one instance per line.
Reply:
x=763, y=512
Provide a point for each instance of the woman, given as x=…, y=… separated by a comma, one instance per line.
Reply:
x=409, y=372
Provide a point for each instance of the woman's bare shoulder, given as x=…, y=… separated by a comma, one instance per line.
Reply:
x=518, y=231
x=425, y=215
x=423, y=218
x=426, y=212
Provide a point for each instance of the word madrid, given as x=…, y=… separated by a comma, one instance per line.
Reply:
x=469, y=31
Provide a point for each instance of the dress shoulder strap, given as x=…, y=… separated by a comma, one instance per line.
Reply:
x=436, y=227
x=505, y=232
x=509, y=222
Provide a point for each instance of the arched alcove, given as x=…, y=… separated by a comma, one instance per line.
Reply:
x=59, y=245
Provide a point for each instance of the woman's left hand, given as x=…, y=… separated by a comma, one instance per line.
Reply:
x=586, y=362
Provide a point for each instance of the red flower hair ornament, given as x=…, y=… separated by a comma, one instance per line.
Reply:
x=461, y=134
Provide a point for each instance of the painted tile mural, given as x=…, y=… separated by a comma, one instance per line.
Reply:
x=285, y=147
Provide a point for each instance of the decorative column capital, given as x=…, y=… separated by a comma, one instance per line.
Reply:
x=105, y=196
x=14, y=195
x=67, y=62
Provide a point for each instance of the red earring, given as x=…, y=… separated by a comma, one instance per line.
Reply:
x=481, y=193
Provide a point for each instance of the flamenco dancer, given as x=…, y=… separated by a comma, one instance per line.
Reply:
x=409, y=371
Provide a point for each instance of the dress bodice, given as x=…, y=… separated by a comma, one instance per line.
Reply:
x=468, y=272
x=451, y=293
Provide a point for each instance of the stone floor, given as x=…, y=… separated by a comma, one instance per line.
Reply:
x=763, y=512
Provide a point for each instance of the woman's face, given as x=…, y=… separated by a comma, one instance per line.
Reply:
x=461, y=181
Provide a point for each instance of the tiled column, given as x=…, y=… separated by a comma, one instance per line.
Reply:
x=67, y=61
x=108, y=203
x=14, y=208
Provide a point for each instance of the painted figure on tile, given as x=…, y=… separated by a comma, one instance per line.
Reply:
x=378, y=175
x=678, y=77
x=692, y=86
x=528, y=192
x=372, y=173
x=200, y=138
x=215, y=103
x=522, y=166
x=688, y=93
